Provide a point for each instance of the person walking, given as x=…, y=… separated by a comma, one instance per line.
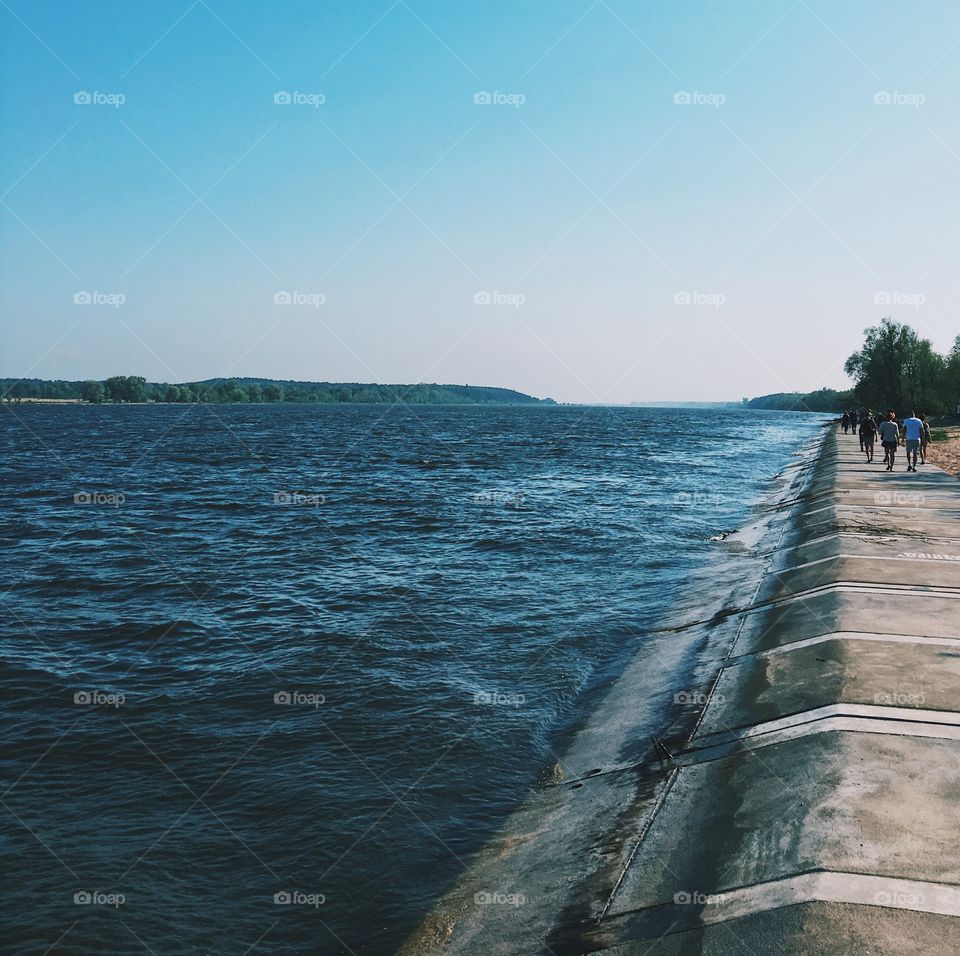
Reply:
x=913, y=432
x=868, y=432
x=845, y=421
x=924, y=440
x=889, y=438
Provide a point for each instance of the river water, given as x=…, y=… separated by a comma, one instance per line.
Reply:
x=271, y=673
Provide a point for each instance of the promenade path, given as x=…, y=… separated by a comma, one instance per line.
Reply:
x=808, y=796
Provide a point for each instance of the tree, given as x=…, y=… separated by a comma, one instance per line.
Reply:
x=897, y=369
x=126, y=388
x=950, y=381
x=273, y=393
x=93, y=392
x=234, y=393
x=879, y=368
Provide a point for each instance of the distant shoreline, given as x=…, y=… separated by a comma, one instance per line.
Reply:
x=136, y=390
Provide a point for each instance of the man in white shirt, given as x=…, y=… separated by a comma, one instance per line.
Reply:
x=913, y=432
x=889, y=438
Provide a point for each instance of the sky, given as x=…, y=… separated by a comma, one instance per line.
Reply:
x=592, y=200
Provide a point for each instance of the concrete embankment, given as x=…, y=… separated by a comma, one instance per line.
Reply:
x=806, y=796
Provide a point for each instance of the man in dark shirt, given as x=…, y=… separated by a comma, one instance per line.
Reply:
x=868, y=432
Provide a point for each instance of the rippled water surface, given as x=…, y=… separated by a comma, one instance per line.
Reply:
x=319, y=650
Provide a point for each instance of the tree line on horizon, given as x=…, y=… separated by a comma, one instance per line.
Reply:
x=126, y=389
x=894, y=369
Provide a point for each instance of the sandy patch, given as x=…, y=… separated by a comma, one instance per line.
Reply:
x=946, y=454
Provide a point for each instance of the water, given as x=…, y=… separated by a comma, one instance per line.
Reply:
x=214, y=694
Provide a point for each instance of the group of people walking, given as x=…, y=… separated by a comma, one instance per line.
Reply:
x=913, y=432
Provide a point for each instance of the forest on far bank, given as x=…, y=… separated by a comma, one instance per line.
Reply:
x=135, y=388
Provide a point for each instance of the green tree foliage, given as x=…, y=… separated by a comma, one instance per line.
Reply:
x=134, y=388
x=822, y=400
x=951, y=376
x=93, y=392
x=273, y=393
x=126, y=388
x=897, y=369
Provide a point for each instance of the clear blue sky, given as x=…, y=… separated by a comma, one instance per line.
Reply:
x=783, y=201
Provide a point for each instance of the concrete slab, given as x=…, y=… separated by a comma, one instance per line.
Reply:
x=824, y=929
x=871, y=611
x=767, y=686
x=847, y=802
x=896, y=566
